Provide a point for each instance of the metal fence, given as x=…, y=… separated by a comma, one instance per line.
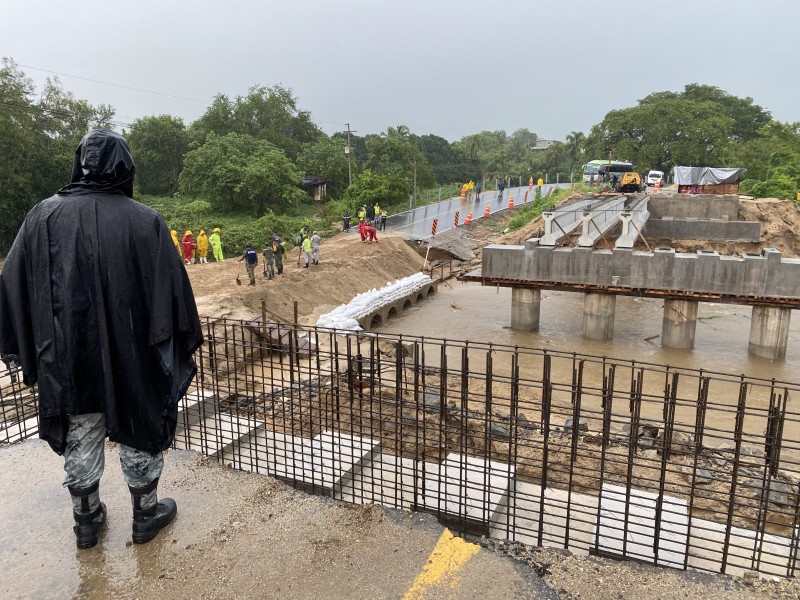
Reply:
x=678, y=467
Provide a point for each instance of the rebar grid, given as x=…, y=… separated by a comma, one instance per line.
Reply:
x=680, y=467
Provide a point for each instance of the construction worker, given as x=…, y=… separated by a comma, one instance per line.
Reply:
x=202, y=247
x=540, y=183
x=362, y=213
x=315, y=242
x=216, y=245
x=269, y=259
x=346, y=221
x=250, y=258
x=370, y=234
x=280, y=249
x=188, y=247
x=177, y=242
x=306, y=245
x=361, y=225
x=384, y=215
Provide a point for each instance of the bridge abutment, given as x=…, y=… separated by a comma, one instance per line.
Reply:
x=679, y=323
x=526, y=306
x=769, y=331
x=598, y=316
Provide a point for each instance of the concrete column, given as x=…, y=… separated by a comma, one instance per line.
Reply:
x=769, y=331
x=526, y=305
x=598, y=316
x=679, y=323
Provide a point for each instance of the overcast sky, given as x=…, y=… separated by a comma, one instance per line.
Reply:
x=448, y=67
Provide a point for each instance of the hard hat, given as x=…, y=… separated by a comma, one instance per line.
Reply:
x=173, y=232
x=188, y=232
x=313, y=232
x=216, y=229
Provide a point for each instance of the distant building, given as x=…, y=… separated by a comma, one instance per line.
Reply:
x=543, y=144
x=316, y=186
x=708, y=180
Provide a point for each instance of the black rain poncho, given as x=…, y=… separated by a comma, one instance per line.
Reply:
x=98, y=307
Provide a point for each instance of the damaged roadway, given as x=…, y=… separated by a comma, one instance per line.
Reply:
x=237, y=535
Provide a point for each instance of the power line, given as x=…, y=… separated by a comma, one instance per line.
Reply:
x=119, y=85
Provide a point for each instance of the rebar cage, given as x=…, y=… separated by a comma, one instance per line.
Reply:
x=677, y=467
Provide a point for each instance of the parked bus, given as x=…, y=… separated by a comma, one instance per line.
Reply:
x=592, y=169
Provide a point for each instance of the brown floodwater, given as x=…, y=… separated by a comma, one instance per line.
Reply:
x=472, y=312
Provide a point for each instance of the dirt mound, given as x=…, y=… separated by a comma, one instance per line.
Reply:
x=347, y=267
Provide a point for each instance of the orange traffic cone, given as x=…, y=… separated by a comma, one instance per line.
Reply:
x=511, y=202
x=468, y=220
x=487, y=211
x=657, y=187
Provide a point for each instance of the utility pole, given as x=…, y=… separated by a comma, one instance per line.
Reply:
x=347, y=151
x=415, y=179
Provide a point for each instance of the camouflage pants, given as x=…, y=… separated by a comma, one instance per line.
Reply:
x=84, y=457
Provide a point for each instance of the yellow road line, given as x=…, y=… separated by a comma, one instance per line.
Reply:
x=444, y=563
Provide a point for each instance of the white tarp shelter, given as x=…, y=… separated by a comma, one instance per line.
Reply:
x=707, y=175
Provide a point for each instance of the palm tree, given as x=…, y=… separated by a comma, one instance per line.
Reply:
x=575, y=141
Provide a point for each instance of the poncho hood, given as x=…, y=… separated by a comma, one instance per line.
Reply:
x=103, y=163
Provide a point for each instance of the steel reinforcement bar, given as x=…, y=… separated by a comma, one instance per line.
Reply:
x=676, y=467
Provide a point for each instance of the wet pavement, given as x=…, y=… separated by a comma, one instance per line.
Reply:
x=236, y=535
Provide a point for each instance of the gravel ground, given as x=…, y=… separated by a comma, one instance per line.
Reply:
x=595, y=578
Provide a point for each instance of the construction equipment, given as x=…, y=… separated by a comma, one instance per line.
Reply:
x=629, y=181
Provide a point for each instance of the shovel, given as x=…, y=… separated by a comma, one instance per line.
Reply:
x=238, y=270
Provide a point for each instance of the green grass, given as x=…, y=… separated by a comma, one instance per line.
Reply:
x=238, y=229
x=542, y=204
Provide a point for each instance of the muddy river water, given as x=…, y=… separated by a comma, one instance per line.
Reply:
x=470, y=311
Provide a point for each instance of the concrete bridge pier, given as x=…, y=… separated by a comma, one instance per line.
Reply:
x=679, y=323
x=769, y=331
x=598, y=315
x=526, y=306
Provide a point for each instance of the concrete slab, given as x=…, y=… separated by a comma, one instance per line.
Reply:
x=517, y=516
x=639, y=540
x=327, y=462
x=746, y=550
x=570, y=520
x=466, y=488
x=388, y=480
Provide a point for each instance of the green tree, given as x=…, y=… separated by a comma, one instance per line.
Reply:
x=236, y=172
x=390, y=190
x=574, y=148
x=38, y=137
x=266, y=113
x=158, y=145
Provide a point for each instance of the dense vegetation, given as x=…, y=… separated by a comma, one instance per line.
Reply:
x=241, y=164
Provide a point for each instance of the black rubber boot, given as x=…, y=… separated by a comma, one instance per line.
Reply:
x=88, y=521
x=147, y=522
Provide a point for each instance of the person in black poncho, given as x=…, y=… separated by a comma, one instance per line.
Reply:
x=97, y=308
